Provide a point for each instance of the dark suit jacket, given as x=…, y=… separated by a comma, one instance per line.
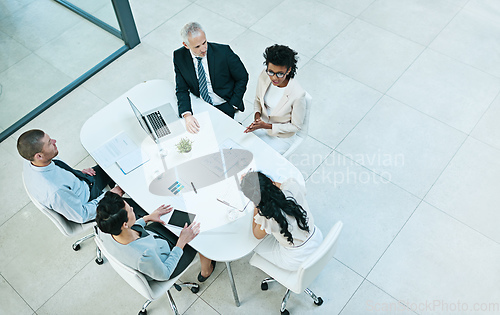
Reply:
x=227, y=73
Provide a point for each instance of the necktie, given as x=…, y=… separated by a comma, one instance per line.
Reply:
x=202, y=81
x=86, y=178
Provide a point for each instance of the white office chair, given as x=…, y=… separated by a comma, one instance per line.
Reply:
x=298, y=280
x=302, y=133
x=151, y=290
x=67, y=228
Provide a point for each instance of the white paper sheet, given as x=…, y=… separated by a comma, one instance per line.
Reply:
x=113, y=149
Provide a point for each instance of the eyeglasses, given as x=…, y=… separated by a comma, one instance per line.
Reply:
x=278, y=74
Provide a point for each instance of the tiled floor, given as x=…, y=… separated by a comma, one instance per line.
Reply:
x=404, y=148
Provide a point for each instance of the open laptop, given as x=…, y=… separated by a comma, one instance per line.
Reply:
x=155, y=122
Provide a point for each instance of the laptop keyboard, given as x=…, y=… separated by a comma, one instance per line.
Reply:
x=159, y=125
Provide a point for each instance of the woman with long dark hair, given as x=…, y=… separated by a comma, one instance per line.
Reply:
x=280, y=101
x=281, y=210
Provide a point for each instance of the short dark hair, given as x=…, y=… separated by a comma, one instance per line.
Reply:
x=29, y=144
x=111, y=214
x=283, y=56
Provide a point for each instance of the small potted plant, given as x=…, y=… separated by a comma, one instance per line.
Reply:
x=184, y=145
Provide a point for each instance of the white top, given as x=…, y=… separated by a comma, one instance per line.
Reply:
x=290, y=188
x=273, y=96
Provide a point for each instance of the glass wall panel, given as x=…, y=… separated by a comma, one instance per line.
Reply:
x=44, y=46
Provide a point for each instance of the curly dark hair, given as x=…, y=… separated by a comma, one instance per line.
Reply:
x=272, y=203
x=111, y=214
x=282, y=56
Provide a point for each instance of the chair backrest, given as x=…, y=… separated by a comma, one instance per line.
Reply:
x=66, y=227
x=133, y=277
x=313, y=266
x=305, y=127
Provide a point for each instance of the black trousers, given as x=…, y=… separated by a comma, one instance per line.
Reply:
x=226, y=108
x=101, y=180
x=188, y=252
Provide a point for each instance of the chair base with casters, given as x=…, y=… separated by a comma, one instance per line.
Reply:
x=76, y=247
x=298, y=280
x=264, y=286
x=66, y=227
x=194, y=287
x=150, y=289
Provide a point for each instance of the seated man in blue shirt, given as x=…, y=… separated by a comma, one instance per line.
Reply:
x=72, y=193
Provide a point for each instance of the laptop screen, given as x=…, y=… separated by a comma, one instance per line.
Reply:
x=140, y=119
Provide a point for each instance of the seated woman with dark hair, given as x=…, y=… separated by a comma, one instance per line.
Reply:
x=281, y=210
x=157, y=253
x=280, y=101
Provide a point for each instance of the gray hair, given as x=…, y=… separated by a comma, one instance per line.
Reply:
x=190, y=29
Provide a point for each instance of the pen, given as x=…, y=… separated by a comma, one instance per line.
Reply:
x=194, y=188
x=227, y=204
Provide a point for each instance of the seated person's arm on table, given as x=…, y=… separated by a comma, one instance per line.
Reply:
x=150, y=264
x=65, y=202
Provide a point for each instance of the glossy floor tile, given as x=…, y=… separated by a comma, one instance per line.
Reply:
x=372, y=209
x=448, y=90
x=404, y=17
x=369, y=299
x=471, y=38
x=11, y=302
x=314, y=25
x=487, y=129
x=354, y=7
x=403, y=147
x=369, y=54
x=421, y=266
x=338, y=102
x=467, y=188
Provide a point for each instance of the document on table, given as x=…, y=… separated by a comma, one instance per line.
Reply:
x=119, y=148
x=131, y=161
x=210, y=212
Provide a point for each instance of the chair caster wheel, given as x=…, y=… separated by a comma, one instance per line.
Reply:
x=99, y=261
x=195, y=289
x=177, y=287
x=76, y=247
x=320, y=301
x=145, y=312
x=285, y=312
x=264, y=286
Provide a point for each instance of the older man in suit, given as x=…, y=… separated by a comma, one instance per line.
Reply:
x=208, y=70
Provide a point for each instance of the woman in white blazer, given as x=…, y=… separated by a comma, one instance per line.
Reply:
x=280, y=101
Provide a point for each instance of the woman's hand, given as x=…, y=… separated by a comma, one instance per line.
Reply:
x=188, y=233
x=156, y=215
x=258, y=124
